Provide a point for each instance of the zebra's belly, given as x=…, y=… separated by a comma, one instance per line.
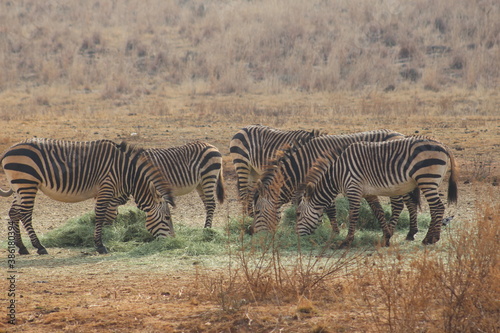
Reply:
x=68, y=196
x=389, y=191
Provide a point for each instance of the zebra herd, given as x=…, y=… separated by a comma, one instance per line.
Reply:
x=273, y=167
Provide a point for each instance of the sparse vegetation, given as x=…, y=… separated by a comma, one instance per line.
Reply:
x=127, y=50
x=162, y=73
x=439, y=289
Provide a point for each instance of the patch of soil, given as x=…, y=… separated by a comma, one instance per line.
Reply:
x=75, y=292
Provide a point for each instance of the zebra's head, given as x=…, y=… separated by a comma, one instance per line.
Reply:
x=158, y=218
x=266, y=200
x=309, y=211
x=316, y=194
x=153, y=195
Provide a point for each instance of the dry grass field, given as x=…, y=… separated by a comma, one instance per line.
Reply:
x=163, y=73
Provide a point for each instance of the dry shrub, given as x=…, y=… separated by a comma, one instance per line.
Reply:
x=431, y=79
x=453, y=290
x=468, y=277
x=262, y=271
x=479, y=169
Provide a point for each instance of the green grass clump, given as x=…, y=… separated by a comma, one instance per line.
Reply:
x=368, y=231
x=368, y=221
x=79, y=232
x=128, y=234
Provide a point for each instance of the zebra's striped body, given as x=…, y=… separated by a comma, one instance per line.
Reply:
x=251, y=150
x=75, y=171
x=196, y=165
x=280, y=182
x=379, y=169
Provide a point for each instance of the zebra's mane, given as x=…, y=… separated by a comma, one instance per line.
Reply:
x=281, y=155
x=267, y=176
x=127, y=148
x=270, y=183
x=319, y=167
x=419, y=138
x=316, y=172
x=312, y=134
x=37, y=140
x=163, y=186
x=316, y=132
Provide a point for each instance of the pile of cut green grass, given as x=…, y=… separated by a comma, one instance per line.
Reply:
x=128, y=234
x=368, y=231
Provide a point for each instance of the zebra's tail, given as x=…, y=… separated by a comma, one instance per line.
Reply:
x=4, y=193
x=452, y=183
x=220, y=189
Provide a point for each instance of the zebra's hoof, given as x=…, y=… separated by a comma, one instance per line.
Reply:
x=410, y=237
x=345, y=245
x=430, y=240
x=42, y=251
x=102, y=250
x=23, y=251
x=335, y=231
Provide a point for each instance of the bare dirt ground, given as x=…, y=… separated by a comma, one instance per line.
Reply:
x=72, y=292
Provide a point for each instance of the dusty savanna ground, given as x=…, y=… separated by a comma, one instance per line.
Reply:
x=75, y=292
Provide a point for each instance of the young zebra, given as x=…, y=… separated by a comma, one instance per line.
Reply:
x=194, y=165
x=279, y=183
x=252, y=148
x=76, y=171
x=379, y=169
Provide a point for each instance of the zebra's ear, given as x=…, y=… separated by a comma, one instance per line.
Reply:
x=309, y=190
x=170, y=200
x=257, y=190
x=259, y=186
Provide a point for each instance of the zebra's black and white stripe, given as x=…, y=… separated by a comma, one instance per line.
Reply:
x=251, y=150
x=196, y=165
x=71, y=171
x=379, y=169
x=279, y=183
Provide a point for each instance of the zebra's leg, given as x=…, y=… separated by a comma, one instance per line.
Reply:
x=380, y=215
x=243, y=174
x=354, y=199
x=26, y=215
x=437, y=211
x=112, y=211
x=412, y=210
x=209, y=203
x=397, y=206
x=15, y=217
x=246, y=183
x=331, y=212
x=103, y=209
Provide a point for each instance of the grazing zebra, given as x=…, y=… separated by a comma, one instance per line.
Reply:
x=251, y=149
x=379, y=169
x=278, y=184
x=194, y=165
x=75, y=171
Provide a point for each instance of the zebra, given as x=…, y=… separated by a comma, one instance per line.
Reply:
x=71, y=171
x=252, y=147
x=278, y=184
x=193, y=165
x=379, y=169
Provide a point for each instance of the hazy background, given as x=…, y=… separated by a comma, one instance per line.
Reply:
x=135, y=48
